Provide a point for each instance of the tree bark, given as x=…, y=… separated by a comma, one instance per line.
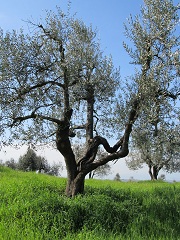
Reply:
x=154, y=171
x=90, y=109
x=150, y=172
x=76, y=172
x=75, y=185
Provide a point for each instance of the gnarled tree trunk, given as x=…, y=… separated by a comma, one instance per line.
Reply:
x=154, y=171
x=76, y=172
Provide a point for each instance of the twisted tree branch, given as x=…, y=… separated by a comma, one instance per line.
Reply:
x=93, y=148
x=88, y=164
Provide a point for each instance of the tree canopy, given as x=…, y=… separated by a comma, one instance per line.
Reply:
x=47, y=73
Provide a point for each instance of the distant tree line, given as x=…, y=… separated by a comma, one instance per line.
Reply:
x=30, y=161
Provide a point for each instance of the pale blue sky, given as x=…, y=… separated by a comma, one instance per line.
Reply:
x=107, y=15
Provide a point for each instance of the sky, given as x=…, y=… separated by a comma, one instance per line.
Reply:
x=108, y=16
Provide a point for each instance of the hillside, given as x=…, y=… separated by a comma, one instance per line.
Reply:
x=32, y=206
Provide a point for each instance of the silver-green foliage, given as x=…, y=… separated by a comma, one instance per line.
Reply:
x=155, y=53
x=32, y=69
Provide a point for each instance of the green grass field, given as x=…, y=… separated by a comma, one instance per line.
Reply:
x=32, y=206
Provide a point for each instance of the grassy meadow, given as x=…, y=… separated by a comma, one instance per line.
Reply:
x=32, y=206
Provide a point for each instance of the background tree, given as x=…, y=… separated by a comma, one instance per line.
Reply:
x=55, y=82
x=160, y=152
x=162, y=177
x=30, y=161
x=54, y=169
x=156, y=56
x=101, y=171
x=11, y=164
x=117, y=177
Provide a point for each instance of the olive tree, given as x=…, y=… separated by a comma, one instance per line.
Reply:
x=155, y=53
x=160, y=152
x=56, y=85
